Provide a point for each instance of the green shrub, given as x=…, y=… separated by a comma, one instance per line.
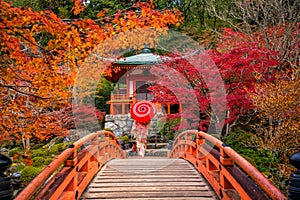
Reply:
x=28, y=174
x=40, y=158
x=58, y=148
x=66, y=145
x=243, y=143
x=48, y=161
x=19, y=167
x=39, y=153
x=167, y=130
x=14, y=151
x=38, y=161
x=36, y=146
x=125, y=139
x=266, y=161
x=54, y=150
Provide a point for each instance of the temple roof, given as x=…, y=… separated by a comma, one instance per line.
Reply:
x=144, y=60
x=146, y=57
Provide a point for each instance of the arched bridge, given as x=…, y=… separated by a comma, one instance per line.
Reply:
x=198, y=167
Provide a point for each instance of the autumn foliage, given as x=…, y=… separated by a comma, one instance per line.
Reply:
x=246, y=66
x=269, y=83
x=277, y=108
x=40, y=55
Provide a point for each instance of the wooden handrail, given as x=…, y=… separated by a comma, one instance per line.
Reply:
x=79, y=165
x=229, y=174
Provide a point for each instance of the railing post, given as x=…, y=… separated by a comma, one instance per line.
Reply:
x=225, y=161
x=294, y=182
x=200, y=140
x=72, y=162
x=224, y=158
x=95, y=144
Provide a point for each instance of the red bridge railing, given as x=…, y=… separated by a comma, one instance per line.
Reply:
x=77, y=167
x=229, y=174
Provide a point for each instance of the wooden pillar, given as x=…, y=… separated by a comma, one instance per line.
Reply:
x=158, y=106
x=111, y=104
x=123, y=108
x=180, y=108
x=169, y=108
x=111, y=108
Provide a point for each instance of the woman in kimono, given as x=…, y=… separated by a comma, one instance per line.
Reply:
x=140, y=133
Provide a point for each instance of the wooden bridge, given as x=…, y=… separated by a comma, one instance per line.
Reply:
x=199, y=167
x=148, y=178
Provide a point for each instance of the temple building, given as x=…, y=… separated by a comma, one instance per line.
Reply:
x=132, y=77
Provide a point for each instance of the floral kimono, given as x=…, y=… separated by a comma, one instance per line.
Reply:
x=140, y=132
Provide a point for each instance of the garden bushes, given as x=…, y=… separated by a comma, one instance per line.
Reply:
x=267, y=162
x=14, y=151
x=39, y=152
x=28, y=174
x=39, y=159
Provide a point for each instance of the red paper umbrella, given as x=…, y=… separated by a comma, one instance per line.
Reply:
x=143, y=111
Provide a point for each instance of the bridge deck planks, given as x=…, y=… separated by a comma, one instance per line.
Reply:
x=152, y=179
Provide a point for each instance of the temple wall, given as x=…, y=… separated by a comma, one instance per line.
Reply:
x=120, y=124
